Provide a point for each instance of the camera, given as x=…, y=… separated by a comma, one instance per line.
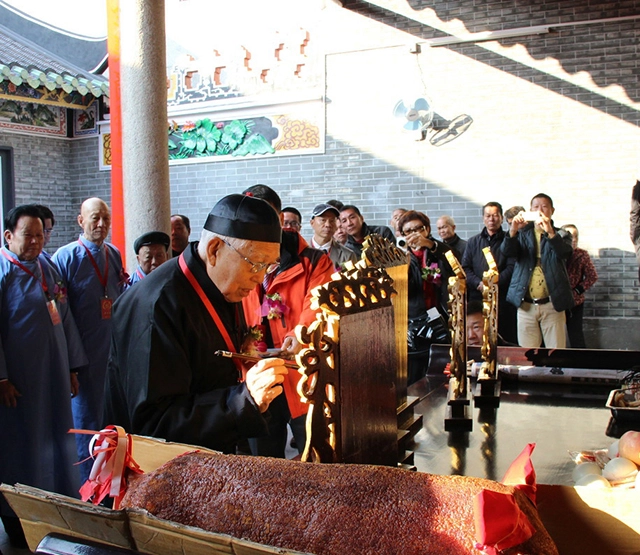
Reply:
x=401, y=243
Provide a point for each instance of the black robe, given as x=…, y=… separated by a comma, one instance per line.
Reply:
x=163, y=378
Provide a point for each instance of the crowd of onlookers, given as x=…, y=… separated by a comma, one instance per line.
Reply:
x=543, y=274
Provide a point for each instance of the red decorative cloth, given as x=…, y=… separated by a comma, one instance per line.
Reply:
x=111, y=450
x=521, y=473
x=499, y=522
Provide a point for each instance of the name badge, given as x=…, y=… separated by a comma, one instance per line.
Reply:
x=53, y=312
x=105, y=307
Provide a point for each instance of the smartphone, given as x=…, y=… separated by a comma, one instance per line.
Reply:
x=530, y=216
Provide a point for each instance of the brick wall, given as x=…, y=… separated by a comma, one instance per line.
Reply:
x=85, y=179
x=591, y=72
x=556, y=113
x=41, y=175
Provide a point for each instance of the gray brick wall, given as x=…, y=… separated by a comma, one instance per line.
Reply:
x=58, y=173
x=41, y=173
x=379, y=171
x=608, y=52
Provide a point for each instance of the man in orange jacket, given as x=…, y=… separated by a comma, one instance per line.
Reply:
x=281, y=303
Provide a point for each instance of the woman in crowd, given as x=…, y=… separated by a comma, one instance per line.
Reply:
x=582, y=276
x=429, y=273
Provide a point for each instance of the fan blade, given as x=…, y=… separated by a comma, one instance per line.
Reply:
x=413, y=125
x=460, y=124
x=400, y=110
x=422, y=104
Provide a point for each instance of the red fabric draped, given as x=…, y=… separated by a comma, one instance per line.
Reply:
x=499, y=522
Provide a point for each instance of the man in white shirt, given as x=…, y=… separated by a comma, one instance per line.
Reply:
x=324, y=222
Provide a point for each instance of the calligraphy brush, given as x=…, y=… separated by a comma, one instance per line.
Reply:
x=250, y=358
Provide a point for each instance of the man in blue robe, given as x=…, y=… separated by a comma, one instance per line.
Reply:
x=40, y=351
x=92, y=269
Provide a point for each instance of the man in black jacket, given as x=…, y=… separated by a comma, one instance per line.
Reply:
x=540, y=287
x=357, y=229
x=446, y=227
x=475, y=264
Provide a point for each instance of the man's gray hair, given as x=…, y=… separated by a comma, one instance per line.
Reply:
x=447, y=220
x=207, y=236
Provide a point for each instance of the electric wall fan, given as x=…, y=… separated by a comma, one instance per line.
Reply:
x=418, y=115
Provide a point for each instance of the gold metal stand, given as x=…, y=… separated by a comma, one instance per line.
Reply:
x=458, y=417
x=487, y=392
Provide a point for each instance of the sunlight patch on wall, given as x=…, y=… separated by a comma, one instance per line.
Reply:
x=524, y=139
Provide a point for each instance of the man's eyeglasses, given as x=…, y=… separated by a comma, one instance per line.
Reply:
x=293, y=224
x=256, y=267
x=48, y=231
x=409, y=231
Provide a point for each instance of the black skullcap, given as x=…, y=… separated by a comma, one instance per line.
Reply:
x=152, y=238
x=245, y=217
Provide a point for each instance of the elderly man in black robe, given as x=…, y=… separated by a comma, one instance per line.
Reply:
x=164, y=379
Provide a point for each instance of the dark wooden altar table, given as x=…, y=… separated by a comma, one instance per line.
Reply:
x=558, y=418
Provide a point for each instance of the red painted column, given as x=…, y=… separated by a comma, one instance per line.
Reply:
x=117, y=196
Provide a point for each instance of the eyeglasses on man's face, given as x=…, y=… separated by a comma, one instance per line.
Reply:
x=256, y=267
x=291, y=224
x=411, y=230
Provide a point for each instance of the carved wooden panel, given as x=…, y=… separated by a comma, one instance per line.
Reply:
x=366, y=388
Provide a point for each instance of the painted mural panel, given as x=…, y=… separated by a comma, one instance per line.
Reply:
x=261, y=135
x=85, y=121
x=70, y=98
x=33, y=118
x=216, y=137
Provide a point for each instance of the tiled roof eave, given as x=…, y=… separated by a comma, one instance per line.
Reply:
x=38, y=77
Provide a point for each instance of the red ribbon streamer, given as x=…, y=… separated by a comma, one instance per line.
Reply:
x=521, y=473
x=499, y=522
x=111, y=450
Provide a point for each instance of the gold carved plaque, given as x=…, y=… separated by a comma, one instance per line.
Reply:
x=378, y=251
x=318, y=366
x=457, y=287
x=357, y=288
x=490, y=317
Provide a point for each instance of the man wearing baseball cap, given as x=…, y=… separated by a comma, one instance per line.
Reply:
x=324, y=222
x=164, y=379
x=152, y=249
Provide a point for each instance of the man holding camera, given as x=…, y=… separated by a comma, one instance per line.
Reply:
x=540, y=287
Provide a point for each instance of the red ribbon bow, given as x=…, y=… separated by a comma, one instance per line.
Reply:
x=111, y=450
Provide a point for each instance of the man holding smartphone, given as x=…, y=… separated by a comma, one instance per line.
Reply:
x=540, y=287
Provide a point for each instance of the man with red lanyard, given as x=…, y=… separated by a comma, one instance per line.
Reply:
x=92, y=269
x=278, y=304
x=40, y=353
x=164, y=378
